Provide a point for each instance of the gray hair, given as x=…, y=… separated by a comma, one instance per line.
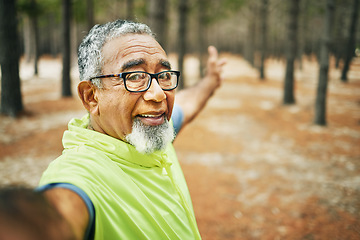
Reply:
x=90, y=59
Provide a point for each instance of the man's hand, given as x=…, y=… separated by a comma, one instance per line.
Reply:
x=214, y=68
x=193, y=99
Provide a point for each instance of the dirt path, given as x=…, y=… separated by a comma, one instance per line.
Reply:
x=255, y=169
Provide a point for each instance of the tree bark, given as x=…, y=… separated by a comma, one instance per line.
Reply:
x=66, y=80
x=351, y=42
x=90, y=14
x=157, y=19
x=264, y=10
x=11, y=100
x=28, y=39
x=130, y=9
x=291, y=52
x=320, y=104
x=201, y=36
x=250, y=49
x=54, y=36
x=303, y=32
x=35, y=29
x=339, y=23
x=183, y=8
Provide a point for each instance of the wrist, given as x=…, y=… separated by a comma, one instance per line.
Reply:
x=210, y=83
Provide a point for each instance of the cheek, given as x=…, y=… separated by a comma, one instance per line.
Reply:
x=116, y=106
x=126, y=109
x=107, y=104
x=117, y=114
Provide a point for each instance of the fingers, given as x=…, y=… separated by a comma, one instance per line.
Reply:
x=214, y=63
x=213, y=53
x=221, y=62
x=214, y=68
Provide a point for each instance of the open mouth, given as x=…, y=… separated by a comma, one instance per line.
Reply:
x=152, y=119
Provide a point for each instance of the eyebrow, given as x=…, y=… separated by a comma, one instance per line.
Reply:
x=165, y=63
x=132, y=63
x=137, y=62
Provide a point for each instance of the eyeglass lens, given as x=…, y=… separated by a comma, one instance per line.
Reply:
x=140, y=81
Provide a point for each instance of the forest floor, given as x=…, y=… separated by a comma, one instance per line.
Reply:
x=256, y=169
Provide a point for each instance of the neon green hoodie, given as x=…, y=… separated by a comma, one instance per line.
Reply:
x=135, y=196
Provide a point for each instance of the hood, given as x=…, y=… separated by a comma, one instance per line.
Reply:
x=117, y=150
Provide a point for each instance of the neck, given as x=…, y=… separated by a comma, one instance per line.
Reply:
x=90, y=127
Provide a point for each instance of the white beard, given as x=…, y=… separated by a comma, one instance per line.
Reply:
x=148, y=139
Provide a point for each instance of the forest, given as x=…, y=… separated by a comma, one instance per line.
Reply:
x=232, y=25
x=257, y=30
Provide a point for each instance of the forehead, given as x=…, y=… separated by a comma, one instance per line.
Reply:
x=131, y=47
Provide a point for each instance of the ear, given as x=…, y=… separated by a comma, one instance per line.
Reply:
x=87, y=94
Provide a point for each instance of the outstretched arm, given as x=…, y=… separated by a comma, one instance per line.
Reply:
x=28, y=214
x=71, y=207
x=193, y=99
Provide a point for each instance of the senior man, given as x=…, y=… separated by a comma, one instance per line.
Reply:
x=118, y=176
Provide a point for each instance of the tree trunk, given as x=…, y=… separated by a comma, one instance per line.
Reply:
x=157, y=19
x=90, y=14
x=37, y=50
x=11, y=101
x=28, y=39
x=53, y=30
x=201, y=8
x=291, y=52
x=264, y=10
x=130, y=9
x=320, y=104
x=66, y=80
x=303, y=32
x=351, y=42
x=35, y=35
x=250, y=49
x=339, y=23
x=183, y=8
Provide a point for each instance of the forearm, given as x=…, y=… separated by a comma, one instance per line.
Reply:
x=72, y=208
x=193, y=99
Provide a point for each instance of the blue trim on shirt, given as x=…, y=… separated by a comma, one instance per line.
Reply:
x=89, y=234
x=177, y=117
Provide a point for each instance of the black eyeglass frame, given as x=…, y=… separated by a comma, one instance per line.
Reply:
x=152, y=75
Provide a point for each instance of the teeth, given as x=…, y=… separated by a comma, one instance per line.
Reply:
x=149, y=116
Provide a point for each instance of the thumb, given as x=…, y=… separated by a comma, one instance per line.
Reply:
x=213, y=53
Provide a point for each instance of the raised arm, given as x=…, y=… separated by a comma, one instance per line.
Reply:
x=193, y=99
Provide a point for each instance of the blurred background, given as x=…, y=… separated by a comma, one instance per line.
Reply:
x=274, y=155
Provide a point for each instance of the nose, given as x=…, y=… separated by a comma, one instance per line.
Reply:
x=154, y=93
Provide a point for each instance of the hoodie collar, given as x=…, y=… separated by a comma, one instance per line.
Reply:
x=117, y=150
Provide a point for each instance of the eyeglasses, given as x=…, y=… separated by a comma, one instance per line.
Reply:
x=141, y=81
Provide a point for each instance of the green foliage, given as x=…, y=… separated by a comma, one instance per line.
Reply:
x=30, y=8
x=140, y=9
x=233, y=5
x=215, y=10
x=234, y=16
x=40, y=8
x=79, y=10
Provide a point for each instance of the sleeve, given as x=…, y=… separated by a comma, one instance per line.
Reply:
x=91, y=226
x=177, y=118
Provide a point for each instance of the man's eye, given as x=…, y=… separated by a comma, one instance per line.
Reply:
x=165, y=76
x=136, y=76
